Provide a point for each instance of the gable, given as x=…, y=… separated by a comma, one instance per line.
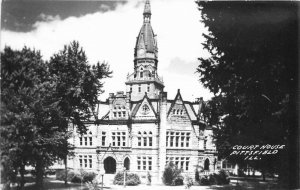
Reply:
x=178, y=111
x=144, y=110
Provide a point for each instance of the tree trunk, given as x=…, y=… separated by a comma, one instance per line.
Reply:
x=22, y=171
x=263, y=175
x=39, y=174
x=66, y=170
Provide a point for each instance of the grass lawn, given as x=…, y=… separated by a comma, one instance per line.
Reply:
x=51, y=183
x=248, y=185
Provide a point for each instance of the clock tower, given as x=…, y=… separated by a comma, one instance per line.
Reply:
x=145, y=79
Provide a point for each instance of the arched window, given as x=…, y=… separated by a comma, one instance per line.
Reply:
x=174, y=111
x=206, y=164
x=139, y=139
x=127, y=163
x=181, y=112
x=177, y=112
x=150, y=138
x=145, y=139
x=91, y=138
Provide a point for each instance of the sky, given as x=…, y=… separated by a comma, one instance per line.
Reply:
x=107, y=31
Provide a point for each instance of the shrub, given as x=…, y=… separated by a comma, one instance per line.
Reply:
x=50, y=172
x=76, y=176
x=204, y=180
x=131, y=179
x=215, y=179
x=223, y=177
x=60, y=175
x=188, y=182
x=172, y=176
x=88, y=176
x=178, y=181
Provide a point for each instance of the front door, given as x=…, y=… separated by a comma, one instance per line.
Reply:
x=110, y=165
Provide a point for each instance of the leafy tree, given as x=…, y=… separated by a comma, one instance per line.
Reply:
x=29, y=114
x=172, y=175
x=78, y=84
x=253, y=73
x=39, y=101
x=78, y=87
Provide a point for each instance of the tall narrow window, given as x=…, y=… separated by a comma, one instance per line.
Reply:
x=85, y=141
x=187, y=143
x=205, y=140
x=139, y=139
x=139, y=163
x=103, y=138
x=91, y=141
x=182, y=141
x=90, y=162
x=80, y=161
x=187, y=165
x=91, y=138
x=149, y=163
x=141, y=74
x=176, y=141
x=148, y=88
x=80, y=141
x=130, y=88
x=139, y=88
x=145, y=141
x=85, y=161
x=150, y=138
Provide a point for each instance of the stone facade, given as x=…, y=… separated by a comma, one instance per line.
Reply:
x=142, y=130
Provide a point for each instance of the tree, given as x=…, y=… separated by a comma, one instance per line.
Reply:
x=172, y=175
x=29, y=115
x=253, y=73
x=78, y=87
x=39, y=101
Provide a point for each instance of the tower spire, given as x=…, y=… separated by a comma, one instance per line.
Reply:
x=147, y=11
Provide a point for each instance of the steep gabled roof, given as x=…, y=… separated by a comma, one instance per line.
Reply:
x=142, y=102
x=178, y=100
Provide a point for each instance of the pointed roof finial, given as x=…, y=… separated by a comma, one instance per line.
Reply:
x=147, y=9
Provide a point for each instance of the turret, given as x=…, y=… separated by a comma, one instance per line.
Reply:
x=145, y=77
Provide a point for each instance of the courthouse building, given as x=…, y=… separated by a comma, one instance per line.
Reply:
x=143, y=129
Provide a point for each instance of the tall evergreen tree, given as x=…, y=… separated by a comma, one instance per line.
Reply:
x=253, y=73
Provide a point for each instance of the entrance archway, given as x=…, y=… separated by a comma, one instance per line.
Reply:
x=110, y=165
x=206, y=164
x=127, y=163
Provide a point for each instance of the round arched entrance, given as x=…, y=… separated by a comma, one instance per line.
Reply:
x=110, y=165
x=206, y=164
x=127, y=163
